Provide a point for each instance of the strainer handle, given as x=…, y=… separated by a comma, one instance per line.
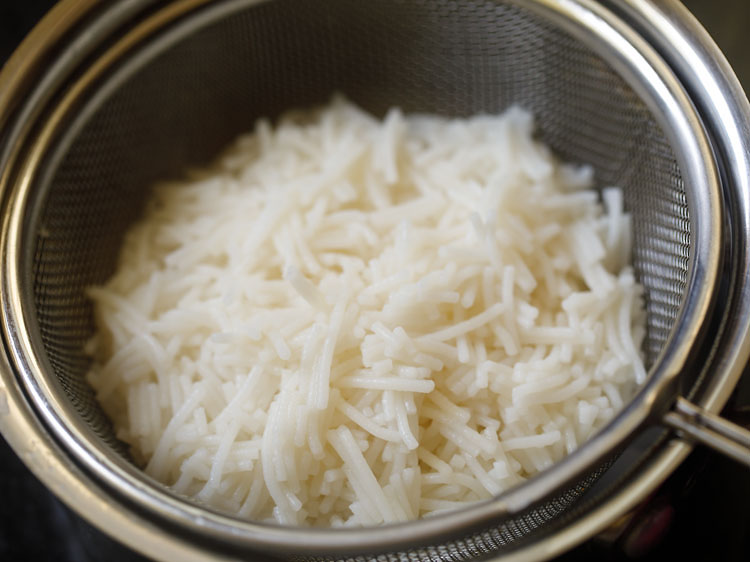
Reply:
x=697, y=424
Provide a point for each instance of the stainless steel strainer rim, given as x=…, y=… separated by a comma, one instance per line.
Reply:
x=283, y=537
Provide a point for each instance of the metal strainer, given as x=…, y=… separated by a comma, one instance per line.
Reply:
x=101, y=101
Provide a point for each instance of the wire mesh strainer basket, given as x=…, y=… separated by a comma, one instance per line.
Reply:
x=136, y=91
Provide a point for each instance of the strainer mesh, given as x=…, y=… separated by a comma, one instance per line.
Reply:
x=447, y=57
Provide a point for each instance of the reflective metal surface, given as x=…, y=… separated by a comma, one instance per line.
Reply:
x=710, y=430
x=727, y=22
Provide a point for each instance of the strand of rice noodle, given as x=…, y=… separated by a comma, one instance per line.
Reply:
x=352, y=322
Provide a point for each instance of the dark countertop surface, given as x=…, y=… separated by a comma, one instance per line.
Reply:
x=709, y=495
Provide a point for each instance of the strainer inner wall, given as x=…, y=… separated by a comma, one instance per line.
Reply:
x=445, y=57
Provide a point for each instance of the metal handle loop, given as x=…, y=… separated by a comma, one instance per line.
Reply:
x=695, y=423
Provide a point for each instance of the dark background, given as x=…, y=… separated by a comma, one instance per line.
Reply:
x=701, y=513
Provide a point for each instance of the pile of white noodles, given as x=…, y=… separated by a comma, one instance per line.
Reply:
x=349, y=322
